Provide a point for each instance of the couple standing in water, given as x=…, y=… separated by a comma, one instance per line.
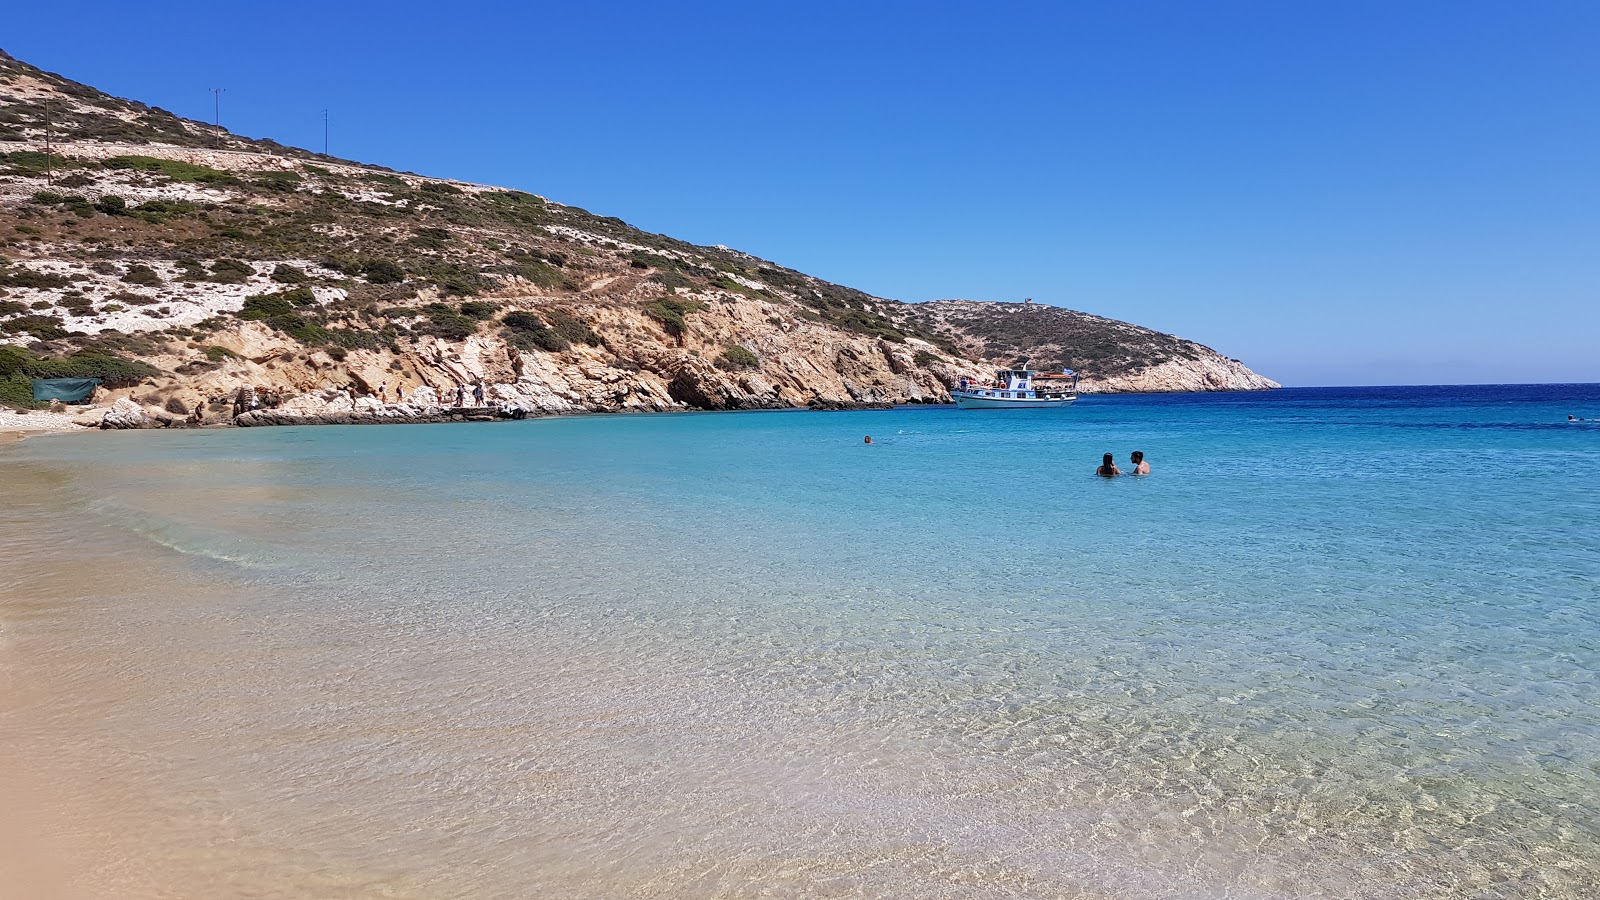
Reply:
x=1108, y=467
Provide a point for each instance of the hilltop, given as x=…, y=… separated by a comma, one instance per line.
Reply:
x=183, y=262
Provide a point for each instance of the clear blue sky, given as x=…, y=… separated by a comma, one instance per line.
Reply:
x=1363, y=191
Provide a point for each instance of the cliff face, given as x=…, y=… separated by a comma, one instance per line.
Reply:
x=247, y=264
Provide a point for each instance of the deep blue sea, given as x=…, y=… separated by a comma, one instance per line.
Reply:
x=1341, y=642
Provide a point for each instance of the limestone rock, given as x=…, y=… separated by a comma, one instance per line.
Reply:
x=125, y=414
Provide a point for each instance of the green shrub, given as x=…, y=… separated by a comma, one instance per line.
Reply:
x=430, y=238
x=284, y=273
x=436, y=187
x=265, y=307
x=529, y=332
x=45, y=328
x=218, y=354
x=138, y=273
x=113, y=370
x=112, y=205
x=479, y=310
x=230, y=271
x=17, y=391
x=78, y=206
x=282, y=182
x=447, y=322
x=924, y=358
x=27, y=278
x=158, y=211
x=382, y=271
x=671, y=313
x=737, y=357
x=171, y=168
x=29, y=162
x=542, y=274
x=573, y=328
x=48, y=198
x=455, y=281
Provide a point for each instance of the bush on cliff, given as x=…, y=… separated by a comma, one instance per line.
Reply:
x=573, y=328
x=526, y=331
x=479, y=310
x=737, y=357
x=445, y=321
x=671, y=312
x=263, y=307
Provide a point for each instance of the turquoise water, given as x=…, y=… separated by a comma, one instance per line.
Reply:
x=1340, y=642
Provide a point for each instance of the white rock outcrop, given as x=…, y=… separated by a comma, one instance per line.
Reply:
x=126, y=414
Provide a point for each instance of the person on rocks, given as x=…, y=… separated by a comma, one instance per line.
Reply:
x=399, y=393
x=383, y=392
x=477, y=393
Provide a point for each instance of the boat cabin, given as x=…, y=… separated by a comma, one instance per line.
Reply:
x=1021, y=384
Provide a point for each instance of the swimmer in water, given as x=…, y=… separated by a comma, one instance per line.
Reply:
x=1108, y=467
x=1140, y=467
x=868, y=439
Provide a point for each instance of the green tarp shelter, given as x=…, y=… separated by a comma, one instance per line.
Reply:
x=67, y=390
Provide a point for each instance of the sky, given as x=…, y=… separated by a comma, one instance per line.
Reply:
x=1359, y=192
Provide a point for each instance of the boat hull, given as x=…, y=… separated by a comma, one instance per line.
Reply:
x=967, y=400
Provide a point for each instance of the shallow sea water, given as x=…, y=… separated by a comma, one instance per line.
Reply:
x=1342, y=642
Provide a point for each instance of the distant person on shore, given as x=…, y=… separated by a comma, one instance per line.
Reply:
x=383, y=392
x=1140, y=467
x=1108, y=467
x=399, y=393
x=477, y=393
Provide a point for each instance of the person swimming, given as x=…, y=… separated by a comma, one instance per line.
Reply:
x=868, y=439
x=1140, y=467
x=1108, y=467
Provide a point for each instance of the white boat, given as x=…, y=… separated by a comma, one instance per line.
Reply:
x=1018, y=389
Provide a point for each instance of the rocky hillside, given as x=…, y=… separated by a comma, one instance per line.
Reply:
x=182, y=264
x=1116, y=357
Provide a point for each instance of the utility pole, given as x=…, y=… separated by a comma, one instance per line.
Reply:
x=324, y=132
x=216, y=98
x=49, y=166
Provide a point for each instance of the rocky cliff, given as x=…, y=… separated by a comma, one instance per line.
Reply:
x=197, y=262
